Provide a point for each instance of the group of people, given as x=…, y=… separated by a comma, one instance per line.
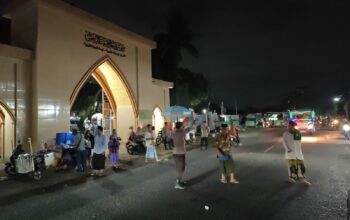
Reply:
x=291, y=142
x=90, y=149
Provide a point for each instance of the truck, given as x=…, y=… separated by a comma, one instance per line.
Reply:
x=305, y=120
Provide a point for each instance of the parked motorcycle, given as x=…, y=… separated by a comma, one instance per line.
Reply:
x=28, y=164
x=136, y=147
x=159, y=138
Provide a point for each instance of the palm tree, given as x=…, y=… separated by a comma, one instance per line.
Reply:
x=170, y=46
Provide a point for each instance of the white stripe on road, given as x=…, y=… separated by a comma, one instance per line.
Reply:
x=268, y=149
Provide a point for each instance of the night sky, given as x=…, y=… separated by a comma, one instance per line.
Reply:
x=257, y=50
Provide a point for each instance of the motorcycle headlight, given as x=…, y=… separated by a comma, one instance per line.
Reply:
x=346, y=127
x=335, y=122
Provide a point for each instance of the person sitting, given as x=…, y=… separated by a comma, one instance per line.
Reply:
x=18, y=150
x=132, y=134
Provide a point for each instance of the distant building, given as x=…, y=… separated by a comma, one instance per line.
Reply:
x=54, y=47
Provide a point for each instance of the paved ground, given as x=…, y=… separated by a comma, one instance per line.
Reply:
x=146, y=191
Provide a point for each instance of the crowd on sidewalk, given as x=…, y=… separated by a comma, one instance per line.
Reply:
x=91, y=149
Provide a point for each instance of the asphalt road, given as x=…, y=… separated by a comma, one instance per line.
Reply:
x=147, y=192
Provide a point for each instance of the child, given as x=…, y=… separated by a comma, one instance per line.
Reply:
x=113, y=148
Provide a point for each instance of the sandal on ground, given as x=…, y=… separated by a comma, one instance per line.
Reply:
x=101, y=174
x=234, y=181
x=305, y=182
x=223, y=180
x=291, y=180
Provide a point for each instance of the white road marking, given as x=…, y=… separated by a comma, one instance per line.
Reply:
x=268, y=149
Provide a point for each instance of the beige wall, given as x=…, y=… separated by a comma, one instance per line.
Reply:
x=55, y=32
x=62, y=60
x=17, y=61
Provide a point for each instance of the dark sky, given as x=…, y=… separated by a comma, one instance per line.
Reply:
x=255, y=50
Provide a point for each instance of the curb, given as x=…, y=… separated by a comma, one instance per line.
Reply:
x=129, y=162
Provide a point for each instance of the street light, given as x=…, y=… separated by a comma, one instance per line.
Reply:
x=206, y=115
x=336, y=99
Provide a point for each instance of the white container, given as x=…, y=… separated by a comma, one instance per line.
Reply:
x=24, y=163
x=49, y=159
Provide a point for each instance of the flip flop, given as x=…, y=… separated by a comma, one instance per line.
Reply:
x=223, y=181
x=234, y=182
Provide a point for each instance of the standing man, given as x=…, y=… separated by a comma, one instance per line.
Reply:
x=165, y=133
x=227, y=166
x=79, y=145
x=204, y=136
x=99, y=152
x=94, y=127
x=179, y=153
x=294, y=154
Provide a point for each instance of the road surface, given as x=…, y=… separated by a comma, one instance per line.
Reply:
x=147, y=191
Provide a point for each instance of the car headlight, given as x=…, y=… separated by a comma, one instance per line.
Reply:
x=310, y=126
x=346, y=127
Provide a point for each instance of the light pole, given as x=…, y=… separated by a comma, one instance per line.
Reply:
x=206, y=115
x=336, y=100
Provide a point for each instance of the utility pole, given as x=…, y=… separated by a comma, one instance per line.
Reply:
x=236, y=106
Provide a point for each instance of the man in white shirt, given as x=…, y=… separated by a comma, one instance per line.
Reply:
x=99, y=152
x=294, y=154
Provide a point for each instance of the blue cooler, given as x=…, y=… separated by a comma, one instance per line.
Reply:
x=64, y=138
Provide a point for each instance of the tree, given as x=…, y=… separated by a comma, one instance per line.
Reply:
x=88, y=100
x=169, y=54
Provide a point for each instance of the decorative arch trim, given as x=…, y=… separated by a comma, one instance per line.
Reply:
x=121, y=75
x=155, y=107
x=8, y=110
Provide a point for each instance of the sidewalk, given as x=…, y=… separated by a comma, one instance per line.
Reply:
x=51, y=180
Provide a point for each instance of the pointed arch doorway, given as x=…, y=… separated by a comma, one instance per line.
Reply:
x=119, y=109
x=157, y=119
x=7, y=131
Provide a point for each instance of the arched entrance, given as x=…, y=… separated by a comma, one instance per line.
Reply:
x=7, y=131
x=157, y=119
x=117, y=92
